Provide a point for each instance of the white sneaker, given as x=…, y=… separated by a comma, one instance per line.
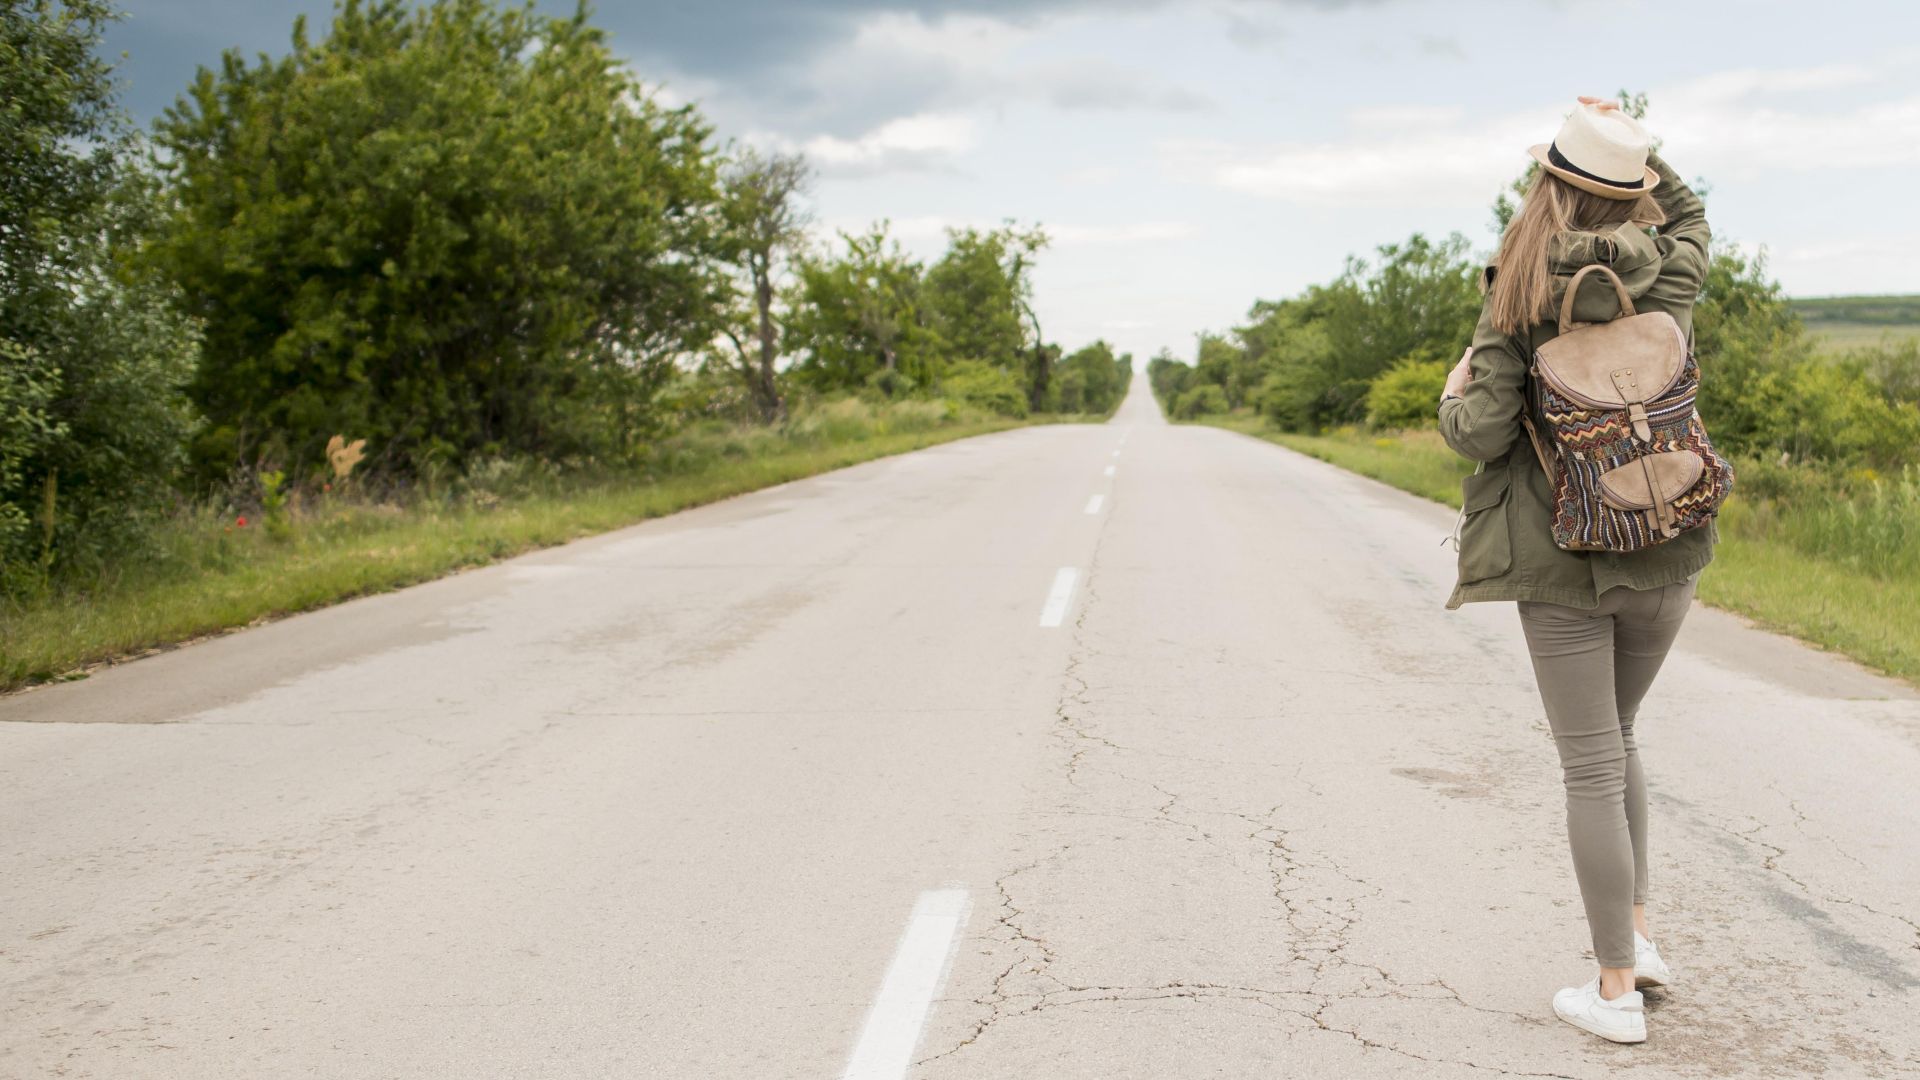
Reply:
x=1620, y=1020
x=1648, y=968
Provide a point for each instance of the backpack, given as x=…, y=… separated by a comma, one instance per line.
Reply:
x=1624, y=450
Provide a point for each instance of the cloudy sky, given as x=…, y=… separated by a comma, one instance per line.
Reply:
x=1190, y=157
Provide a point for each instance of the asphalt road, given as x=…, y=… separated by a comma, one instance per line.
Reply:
x=938, y=767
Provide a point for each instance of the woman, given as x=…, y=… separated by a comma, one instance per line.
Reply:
x=1597, y=624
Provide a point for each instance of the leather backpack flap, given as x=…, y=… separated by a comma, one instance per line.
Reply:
x=1613, y=365
x=1632, y=486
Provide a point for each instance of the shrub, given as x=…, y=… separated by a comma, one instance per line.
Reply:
x=1168, y=377
x=1894, y=367
x=886, y=384
x=459, y=229
x=92, y=359
x=1407, y=395
x=1205, y=400
x=991, y=388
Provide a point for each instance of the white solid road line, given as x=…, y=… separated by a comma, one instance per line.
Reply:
x=1109, y=470
x=1058, y=596
x=919, y=967
x=1093, y=504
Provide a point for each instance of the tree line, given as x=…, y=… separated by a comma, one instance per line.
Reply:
x=1372, y=347
x=459, y=231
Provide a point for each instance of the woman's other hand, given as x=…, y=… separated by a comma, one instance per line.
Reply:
x=1602, y=104
x=1458, y=378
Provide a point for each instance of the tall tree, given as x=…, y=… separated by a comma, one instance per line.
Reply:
x=1093, y=379
x=766, y=227
x=453, y=229
x=856, y=317
x=91, y=358
x=978, y=293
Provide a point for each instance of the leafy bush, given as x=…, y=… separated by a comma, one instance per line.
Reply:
x=1168, y=378
x=1320, y=352
x=1407, y=395
x=1205, y=400
x=92, y=421
x=1894, y=367
x=460, y=230
x=868, y=316
x=1092, y=379
x=994, y=389
x=26, y=388
x=1765, y=393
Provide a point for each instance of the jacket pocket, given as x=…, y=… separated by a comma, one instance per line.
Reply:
x=1486, y=545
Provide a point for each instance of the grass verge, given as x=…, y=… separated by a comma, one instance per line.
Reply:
x=211, y=576
x=1808, y=589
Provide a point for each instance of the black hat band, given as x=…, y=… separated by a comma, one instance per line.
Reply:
x=1559, y=160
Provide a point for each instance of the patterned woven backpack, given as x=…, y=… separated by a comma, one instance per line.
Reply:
x=1626, y=454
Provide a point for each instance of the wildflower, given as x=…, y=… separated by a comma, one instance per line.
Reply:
x=241, y=521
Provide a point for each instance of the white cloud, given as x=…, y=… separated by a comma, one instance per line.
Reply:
x=1132, y=233
x=1441, y=45
x=1881, y=263
x=1094, y=83
x=907, y=65
x=1744, y=85
x=1732, y=125
x=923, y=142
x=1398, y=117
x=1093, y=175
x=1419, y=164
x=1737, y=140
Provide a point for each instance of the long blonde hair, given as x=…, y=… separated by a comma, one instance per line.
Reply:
x=1521, y=292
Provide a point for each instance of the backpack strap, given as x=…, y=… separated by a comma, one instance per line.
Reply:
x=1541, y=452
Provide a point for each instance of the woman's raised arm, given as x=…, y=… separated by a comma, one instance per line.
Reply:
x=1684, y=238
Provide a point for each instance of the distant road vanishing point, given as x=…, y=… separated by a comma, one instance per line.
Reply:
x=1070, y=751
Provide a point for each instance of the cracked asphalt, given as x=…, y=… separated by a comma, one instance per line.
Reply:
x=657, y=804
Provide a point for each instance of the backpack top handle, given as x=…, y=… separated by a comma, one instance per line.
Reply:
x=1619, y=289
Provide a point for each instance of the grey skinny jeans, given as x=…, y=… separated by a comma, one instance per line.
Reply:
x=1593, y=667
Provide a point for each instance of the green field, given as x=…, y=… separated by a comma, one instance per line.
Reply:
x=1838, y=576
x=1840, y=323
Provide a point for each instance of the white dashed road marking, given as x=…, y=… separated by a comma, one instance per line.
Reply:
x=1058, y=597
x=919, y=968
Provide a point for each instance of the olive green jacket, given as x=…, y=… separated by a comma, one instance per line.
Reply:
x=1506, y=531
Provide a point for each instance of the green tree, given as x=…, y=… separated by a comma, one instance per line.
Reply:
x=91, y=358
x=1763, y=391
x=766, y=227
x=1093, y=379
x=1220, y=361
x=994, y=389
x=1203, y=399
x=855, y=318
x=1168, y=377
x=452, y=229
x=979, y=298
x=1318, y=354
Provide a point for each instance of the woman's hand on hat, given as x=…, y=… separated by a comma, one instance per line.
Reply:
x=1602, y=104
x=1458, y=378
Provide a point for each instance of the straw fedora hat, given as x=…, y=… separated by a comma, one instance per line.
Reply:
x=1600, y=150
